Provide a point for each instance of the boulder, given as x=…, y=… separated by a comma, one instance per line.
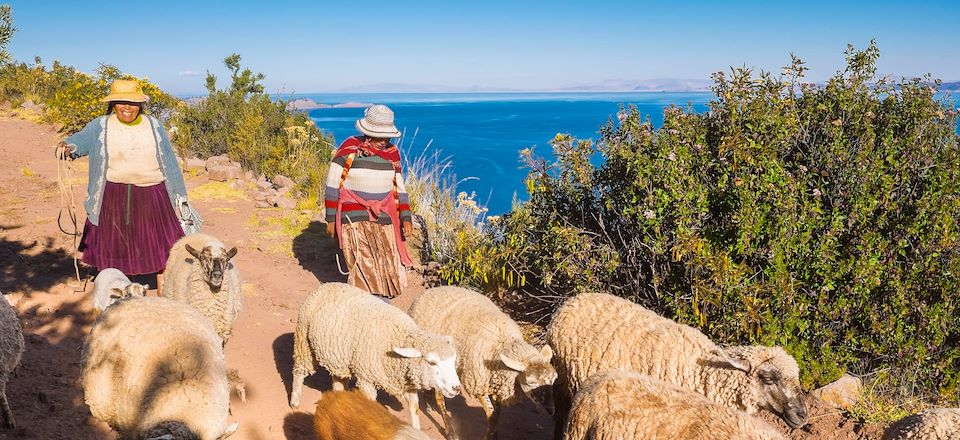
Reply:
x=215, y=161
x=841, y=393
x=285, y=202
x=195, y=165
x=223, y=173
x=263, y=185
x=283, y=182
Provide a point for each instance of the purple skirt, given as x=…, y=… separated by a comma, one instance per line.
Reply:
x=137, y=229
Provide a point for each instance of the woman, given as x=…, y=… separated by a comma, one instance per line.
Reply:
x=366, y=203
x=134, y=186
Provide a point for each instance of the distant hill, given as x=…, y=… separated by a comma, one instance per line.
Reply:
x=649, y=85
x=953, y=86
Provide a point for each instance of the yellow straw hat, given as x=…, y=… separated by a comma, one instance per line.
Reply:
x=125, y=90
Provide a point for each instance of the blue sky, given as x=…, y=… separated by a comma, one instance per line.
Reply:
x=320, y=46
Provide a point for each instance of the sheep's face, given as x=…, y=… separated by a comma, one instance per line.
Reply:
x=135, y=289
x=536, y=376
x=436, y=371
x=213, y=261
x=776, y=380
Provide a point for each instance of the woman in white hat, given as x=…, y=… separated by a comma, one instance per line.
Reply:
x=134, y=185
x=367, y=205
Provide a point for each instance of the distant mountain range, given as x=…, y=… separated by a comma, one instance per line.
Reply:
x=610, y=85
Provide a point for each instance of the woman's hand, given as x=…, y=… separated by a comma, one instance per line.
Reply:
x=407, y=228
x=330, y=227
x=62, y=151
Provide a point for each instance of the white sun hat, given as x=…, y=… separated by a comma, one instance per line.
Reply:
x=377, y=122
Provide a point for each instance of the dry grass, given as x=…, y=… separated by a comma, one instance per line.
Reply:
x=226, y=191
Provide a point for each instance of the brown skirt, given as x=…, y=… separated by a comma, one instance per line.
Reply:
x=370, y=251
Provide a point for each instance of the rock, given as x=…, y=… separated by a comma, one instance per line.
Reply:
x=263, y=185
x=195, y=165
x=283, y=182
x=223, y=173
x=248, y=176
x=842, y=393
x=285, y=202
x=262, y=204
x=215, y=161
x=259, y=196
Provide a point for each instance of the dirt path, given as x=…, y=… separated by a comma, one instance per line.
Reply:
x=278, y=267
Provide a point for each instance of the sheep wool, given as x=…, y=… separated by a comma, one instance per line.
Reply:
x=932, y=424
x=626, y=405
x=350, y=333
x=188, y=279
x=595, y=332
x=487, y=340
x=11, y=348
x=348, y=415
x=106, y=286
x=148, y=381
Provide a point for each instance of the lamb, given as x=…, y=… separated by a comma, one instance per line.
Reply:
x=351, y=333
x=595, y=332
x=111, y=285
x=495, y=365
x=11, y=348
x=620, y=404
x=199, y=273
x=932, y=424
x=149, y=380
x=348, y=415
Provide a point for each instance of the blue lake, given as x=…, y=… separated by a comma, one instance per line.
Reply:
x=482, y=133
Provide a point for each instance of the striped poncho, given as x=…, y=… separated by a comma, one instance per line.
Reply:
x=370, y=176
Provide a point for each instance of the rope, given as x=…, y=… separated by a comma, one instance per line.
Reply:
x=65, y=184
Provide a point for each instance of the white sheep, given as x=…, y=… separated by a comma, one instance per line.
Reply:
x=351, y=333
x=11, y=348
x=153, y=368
x=932, y=424
x=199, y=273
x=349, y=415
x=620, y=404
x=595, y=332
x=111, y=285
x=495, y=365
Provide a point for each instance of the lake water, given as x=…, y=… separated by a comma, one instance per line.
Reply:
x=482, y=133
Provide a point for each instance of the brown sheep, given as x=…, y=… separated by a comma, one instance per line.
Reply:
x=349, y=415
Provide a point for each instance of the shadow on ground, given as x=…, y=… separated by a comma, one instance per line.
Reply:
x=317, y=252
x=35, y=265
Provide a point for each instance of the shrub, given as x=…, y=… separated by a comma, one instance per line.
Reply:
x=819, y=218
x=245, y=124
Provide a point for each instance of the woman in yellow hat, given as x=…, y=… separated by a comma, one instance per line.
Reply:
x=135, y=185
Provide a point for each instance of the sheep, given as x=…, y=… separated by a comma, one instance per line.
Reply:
x=620, y=404
x=595, y=332
x=152, y=368
x=351, y=333
x=349, y=415
x=932, y=424
x=199, y=273
x=495, y=365
x=111, y=285
x=11, y=348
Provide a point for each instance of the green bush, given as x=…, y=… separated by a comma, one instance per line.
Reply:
x=245, y=124
x=819, y=218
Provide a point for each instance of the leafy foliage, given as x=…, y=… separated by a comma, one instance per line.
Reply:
x=243, y=122
x=6, y=31
x=819, y=218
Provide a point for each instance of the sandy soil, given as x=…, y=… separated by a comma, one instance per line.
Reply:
x=37, y=276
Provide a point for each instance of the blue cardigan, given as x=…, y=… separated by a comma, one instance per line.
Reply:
x=92, y=141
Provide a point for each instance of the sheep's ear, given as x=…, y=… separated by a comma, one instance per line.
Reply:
x=407, y=352
x=546, y=352
x=117, y=293
x=231, y=253
x=512, y=364
x=194, y=252
x=739, y=364
x=229, y=431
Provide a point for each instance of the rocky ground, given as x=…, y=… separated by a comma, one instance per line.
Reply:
x=283, y=256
